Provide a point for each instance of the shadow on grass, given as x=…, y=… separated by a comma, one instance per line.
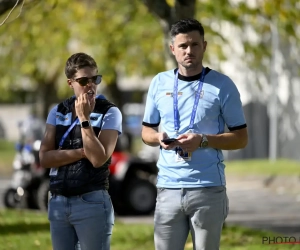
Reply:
x=24, y=228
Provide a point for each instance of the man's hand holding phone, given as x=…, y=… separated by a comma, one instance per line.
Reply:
x=168, y=141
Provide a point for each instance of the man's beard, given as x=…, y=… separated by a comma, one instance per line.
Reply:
x=190, y=65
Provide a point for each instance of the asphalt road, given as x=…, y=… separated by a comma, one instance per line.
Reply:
x=251, y=205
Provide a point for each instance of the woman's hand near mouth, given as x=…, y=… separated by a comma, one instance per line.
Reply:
x=84, y=106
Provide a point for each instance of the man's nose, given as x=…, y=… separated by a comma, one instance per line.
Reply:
x=188, y=49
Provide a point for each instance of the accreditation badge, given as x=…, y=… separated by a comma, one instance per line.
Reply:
x=181, y=156
x=53, y=171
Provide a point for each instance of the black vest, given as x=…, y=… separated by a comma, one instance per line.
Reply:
x=78, y=177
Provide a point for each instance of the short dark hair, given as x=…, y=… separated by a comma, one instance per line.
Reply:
x=78, y=61
x=184, y=26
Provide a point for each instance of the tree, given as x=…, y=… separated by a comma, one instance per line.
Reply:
x=274, y=59
x=10, y=5
x=208, y=12
x=49, y=32
x=125, y=45
x=6, y=5
x=168, y=12
x=33, y=48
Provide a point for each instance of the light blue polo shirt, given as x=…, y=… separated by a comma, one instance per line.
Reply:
x=219, y=105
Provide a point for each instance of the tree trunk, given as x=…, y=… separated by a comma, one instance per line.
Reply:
x=167, y=15
x=46, y=96
x=6, y=5
x=113, y=93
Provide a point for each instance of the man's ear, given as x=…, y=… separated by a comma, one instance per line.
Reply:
x=172, y=48
x=204, y=46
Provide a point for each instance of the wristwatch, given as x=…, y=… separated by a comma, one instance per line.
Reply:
x=204, y=141
x=85, y=124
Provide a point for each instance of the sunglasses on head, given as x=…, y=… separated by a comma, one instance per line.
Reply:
x=83, y=81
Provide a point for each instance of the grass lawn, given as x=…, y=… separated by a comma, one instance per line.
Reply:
x=283, y=167
x=7, y=152
x=24, y=230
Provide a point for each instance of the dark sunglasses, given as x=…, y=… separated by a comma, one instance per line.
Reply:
x=83, y=81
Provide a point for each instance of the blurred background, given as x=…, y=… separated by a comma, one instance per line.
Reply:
x=254, y=42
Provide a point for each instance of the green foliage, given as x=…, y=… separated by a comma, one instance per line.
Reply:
x=129, y=40
x=31, y=45
x=124, y=37
x=35, y=46
x=246, y=16
x=22, y=230
x=284, y=14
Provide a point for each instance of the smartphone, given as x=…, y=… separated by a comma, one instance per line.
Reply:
x=168, y=141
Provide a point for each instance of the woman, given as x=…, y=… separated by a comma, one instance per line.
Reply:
x=80, y=137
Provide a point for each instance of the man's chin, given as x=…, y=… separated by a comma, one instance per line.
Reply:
x=189, y=65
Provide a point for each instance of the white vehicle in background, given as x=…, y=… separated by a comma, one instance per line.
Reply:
x=29, y=184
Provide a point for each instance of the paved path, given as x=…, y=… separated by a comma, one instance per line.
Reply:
x=253, y=205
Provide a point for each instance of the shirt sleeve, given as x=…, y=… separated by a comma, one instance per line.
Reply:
x=112, y=120
x=232, y=109
x=51, y=119
x=151, y=114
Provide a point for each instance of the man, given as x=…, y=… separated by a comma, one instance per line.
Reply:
x=81, y=135
x=191, y=104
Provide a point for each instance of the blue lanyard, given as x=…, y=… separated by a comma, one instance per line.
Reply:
x=175, y=101
x=67, y=133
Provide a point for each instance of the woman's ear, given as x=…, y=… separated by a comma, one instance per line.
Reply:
x=70, y=83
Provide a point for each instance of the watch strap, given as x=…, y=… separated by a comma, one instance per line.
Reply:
x=204, y=141
x=85, y=124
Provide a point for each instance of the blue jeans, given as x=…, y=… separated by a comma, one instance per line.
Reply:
x=87, y=218
x=201, y=211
